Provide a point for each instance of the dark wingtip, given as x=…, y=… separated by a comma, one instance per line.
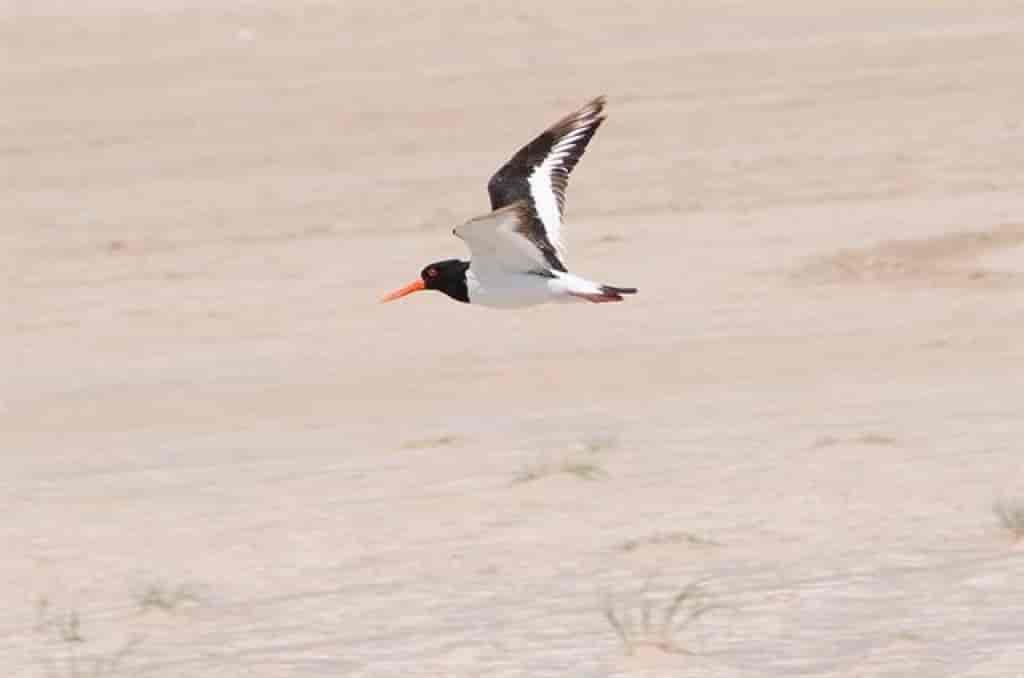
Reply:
x=592, y=109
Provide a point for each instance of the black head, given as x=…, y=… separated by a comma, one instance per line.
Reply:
x=448, y=276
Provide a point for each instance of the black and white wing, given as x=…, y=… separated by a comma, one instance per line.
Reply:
x=538, y=174
x=506, y=241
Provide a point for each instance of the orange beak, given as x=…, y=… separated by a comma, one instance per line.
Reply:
x=414, y=286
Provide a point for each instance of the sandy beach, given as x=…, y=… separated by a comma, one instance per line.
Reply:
x=221, y=456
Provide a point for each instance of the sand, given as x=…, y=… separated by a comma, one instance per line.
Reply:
x=221, y=456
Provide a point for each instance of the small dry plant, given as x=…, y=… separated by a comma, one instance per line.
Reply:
x=664, y=538
x=65, y=628
x=1011, y=516
x=166, y=598
x=579, y=461
x=646, y=622
x=434, y=441
x=877, y=439
x=65, y=624
x=580, y=468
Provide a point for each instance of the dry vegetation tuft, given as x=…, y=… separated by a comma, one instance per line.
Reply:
x=67, y=656
x=166, y=598
x=1011, y=516
x=580, y=468
x=578, y=461
x=65, y=624
x=644, y=622
x=864, y=439
x=667, y=538
x=434, y=441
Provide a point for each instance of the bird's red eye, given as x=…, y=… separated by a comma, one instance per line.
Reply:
x=431, y=272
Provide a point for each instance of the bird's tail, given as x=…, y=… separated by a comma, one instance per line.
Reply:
x=609, y=293
x=606, y=293
x=617, y=291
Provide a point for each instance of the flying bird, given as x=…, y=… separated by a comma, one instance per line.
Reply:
x=517, y=256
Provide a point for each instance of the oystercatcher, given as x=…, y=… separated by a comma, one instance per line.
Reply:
x=517, y=254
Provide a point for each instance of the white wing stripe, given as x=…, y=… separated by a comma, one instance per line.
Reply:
x=544, y=195
x=547, y=205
